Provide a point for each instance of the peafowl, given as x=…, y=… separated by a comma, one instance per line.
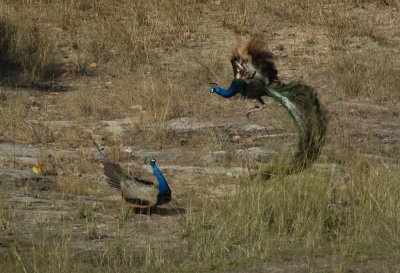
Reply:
x=255, y=76
x=139, y=193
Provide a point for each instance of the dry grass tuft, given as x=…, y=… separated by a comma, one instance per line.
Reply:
x=15, y=125
x=25, y=49
x=261, y=219
x=367, y=75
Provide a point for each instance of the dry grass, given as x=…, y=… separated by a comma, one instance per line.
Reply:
x=24, y=49
x=368, y=75
x=312, y=218
x=12, y=113
x=151, y=61
x=261, y=220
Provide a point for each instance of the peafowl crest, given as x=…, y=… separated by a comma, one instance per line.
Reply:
x=256, y=76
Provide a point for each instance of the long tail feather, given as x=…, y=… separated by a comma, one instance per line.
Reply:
x=311, y=119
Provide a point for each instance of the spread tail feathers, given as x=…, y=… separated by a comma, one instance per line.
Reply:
x=311, y=119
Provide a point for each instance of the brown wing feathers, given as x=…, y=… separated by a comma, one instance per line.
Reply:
x=236, y=60
x=261, y=59
x=112, y=171
x=253, y=53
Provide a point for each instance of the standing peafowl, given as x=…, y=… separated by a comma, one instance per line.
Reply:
x=255, y=76
x=139, y=194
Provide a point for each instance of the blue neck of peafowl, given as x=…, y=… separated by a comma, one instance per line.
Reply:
x=235, y=87
x=162, y=182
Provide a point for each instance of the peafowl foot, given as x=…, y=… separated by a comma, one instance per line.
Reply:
x=255, y=109
x=140, y=209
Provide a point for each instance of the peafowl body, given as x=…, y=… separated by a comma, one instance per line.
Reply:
x=137, y=192
x=255, y=76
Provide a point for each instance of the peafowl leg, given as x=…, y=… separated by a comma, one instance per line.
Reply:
x=256, y=108
x=131, y=205
x=136, y=206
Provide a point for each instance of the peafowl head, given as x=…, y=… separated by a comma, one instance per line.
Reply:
x=212, y=88
x=152, y=162
x=216, y=89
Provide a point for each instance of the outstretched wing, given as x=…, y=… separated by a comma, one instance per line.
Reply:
x=253, y=62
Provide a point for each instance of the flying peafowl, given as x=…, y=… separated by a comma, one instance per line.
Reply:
x=139, y=194
x=255, y=76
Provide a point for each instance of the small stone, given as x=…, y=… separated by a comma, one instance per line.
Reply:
x=94, y=206
x=127, y=150
x=93, y=65
x=236, y=138
x=250, y=140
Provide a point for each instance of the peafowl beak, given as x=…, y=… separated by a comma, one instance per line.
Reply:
x=212, y=89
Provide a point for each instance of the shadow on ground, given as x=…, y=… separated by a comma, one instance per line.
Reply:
x=10, y=76
x=161, y=211
x=169, y=211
